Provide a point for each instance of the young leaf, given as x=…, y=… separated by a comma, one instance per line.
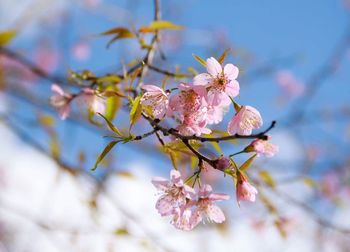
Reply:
x=121, y=35
x=6, y=37
x=247, y=163
x=217, y=147
x=111, y=126
x=115, y=30
x=106, y=150
x=223, y=55
x=160, y=25
x=113, y=103
x=200, y=60
x=267, y=178
x=135, y=111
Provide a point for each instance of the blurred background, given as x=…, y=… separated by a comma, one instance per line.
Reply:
x=294, y=62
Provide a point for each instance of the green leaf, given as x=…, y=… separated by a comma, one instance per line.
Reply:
x=135, y=111
x=235, y=105
x=115, y=30
x=223, y=56
x=267, y=178
x=200, y=60
x=6, y=37
x=113, y=103
x=309, y=182
x=160, y=25
x=247, y=163
x=111, y=126
x=217, y=147
x=106, y=150
x=121, y=35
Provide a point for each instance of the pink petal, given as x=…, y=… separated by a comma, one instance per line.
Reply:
x=219, y=196
x=151, y=88
x=64, y=112
x=233, y=125
x=213, y=67
x=232, y=88
x=215, y=214
x=57, y=89
x=175, y=177
x=205, y=191
x=231, y=71
x=202, y=79
x=160, y=183
x=164, y=205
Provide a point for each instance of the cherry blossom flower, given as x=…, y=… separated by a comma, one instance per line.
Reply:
x=60, y=100
x=206, y=208
x=183, y=218
x=264, y=147
x=175, y=193
x=95, y=102
x=156, y=100
x=194, y=124
x=191, y=109
x=81, y=51
x=244, y=190
x=290, y=84
x=247, y=119
x=221, y=82
x=215, y=113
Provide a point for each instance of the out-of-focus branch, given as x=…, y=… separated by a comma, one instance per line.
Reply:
x=318, y=78
x=32, y=67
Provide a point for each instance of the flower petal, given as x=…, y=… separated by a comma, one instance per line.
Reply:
x=202, y=79
x=213, y=67
x=160, y=183
x=215, y=214
x=231, y=71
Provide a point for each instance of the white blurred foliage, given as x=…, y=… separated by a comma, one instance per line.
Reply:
x=43, y=208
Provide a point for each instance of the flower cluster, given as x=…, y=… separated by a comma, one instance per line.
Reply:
x=187, y=206
x=203, y=102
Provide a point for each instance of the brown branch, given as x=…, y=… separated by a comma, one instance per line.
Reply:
x=32, y=67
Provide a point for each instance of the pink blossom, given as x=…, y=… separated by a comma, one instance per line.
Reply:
x=183, y=218
x=244, y=190
x=264, y=147
x=247, y=119
x=206, y=208
x=95, y=102
x=81, y=51
x=60, y=100
x=47, y=58
x=175, y=193
x=221, y=82
x=290, y=84
x=156, y=100
x=215, y=113
x=191, y=109
x=194, y=124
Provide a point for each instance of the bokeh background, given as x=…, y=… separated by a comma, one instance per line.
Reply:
x=294, y=63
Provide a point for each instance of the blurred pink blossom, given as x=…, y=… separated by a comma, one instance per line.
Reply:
x=60, y=100
x=81, y=51
x=289, y=83
x=264, y=147
x=174, y=193
x=206, y=208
